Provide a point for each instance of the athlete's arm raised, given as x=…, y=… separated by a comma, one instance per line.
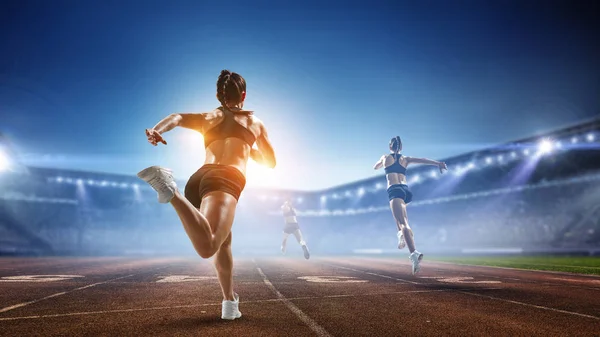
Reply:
x=380, y=163
x=264, y=155
x=441, y=165
x=194, y=121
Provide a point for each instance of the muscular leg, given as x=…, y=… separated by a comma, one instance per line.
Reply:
x=224, y=266
x=211, y=225
x=302, y=243
x=399, y=211
x=298, y=235
x=284, y=243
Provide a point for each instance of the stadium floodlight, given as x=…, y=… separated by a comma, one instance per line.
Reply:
x=574, y=140
x=471, y=165
x=545, y=146
x=79, y=182
x=513, y=154
x=69, y=181
x=590, y=137
x=59, y=179
x=416, y=178
x=378, y=186
x=104, y=183
x=90, y=182
x=135, y=186
x=113, y=184
x=348, y=194
x=526, y=152
x=335, y=196
x=488, y=160
x=500, y=157
x=323, y=198
x=299, y=200
x=361, y=192
x=123, y=185
x=433, y=174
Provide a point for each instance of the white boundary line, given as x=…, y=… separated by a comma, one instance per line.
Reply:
x=20, y=305
x=82, y=313
x=314, y=326
x=520, y=269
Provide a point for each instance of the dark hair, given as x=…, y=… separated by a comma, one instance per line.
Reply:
x=230, y=87
x=395, y=144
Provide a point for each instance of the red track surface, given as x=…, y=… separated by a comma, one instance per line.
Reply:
x=278, y=297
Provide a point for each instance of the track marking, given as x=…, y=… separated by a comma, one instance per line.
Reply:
x=331, y=279
x=509, y=301
x=528, y=281
x=374, y=274
x=314, y=326
x=460, y=279
x=531, y=305
x=184, y=278
x=218, y=304
x=38, y=278
x=12, y=307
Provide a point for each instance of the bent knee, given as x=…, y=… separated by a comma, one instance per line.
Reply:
x=205, y=253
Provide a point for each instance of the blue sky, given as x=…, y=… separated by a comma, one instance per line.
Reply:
x=81, y=80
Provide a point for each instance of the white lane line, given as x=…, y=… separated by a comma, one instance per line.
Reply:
x=531, y=305
x=20, y=305
x=187, y=306
x=314, y=326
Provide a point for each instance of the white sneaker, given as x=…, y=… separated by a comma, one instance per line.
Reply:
x=230, y=309
x=161, y=180
x=415, y=258
x=306, y=252
x=401, y=241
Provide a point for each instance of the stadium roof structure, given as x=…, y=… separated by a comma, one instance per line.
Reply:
x=582, y=127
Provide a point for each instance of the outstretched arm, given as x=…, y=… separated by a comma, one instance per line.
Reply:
x=424, y=161
x=194, y=121
x=264, y=154
x=379, y=163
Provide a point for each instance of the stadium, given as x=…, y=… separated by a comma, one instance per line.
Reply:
x=532, y=196
x=538, y=194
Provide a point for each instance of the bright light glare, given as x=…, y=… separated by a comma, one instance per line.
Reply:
x=258, y=175
x=590, y=137
x=545, y=146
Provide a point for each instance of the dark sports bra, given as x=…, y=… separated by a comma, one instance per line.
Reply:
x=228, y=128
x=289, y=212
x=396, y=167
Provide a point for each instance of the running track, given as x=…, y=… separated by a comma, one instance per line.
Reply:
x=288, y=296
